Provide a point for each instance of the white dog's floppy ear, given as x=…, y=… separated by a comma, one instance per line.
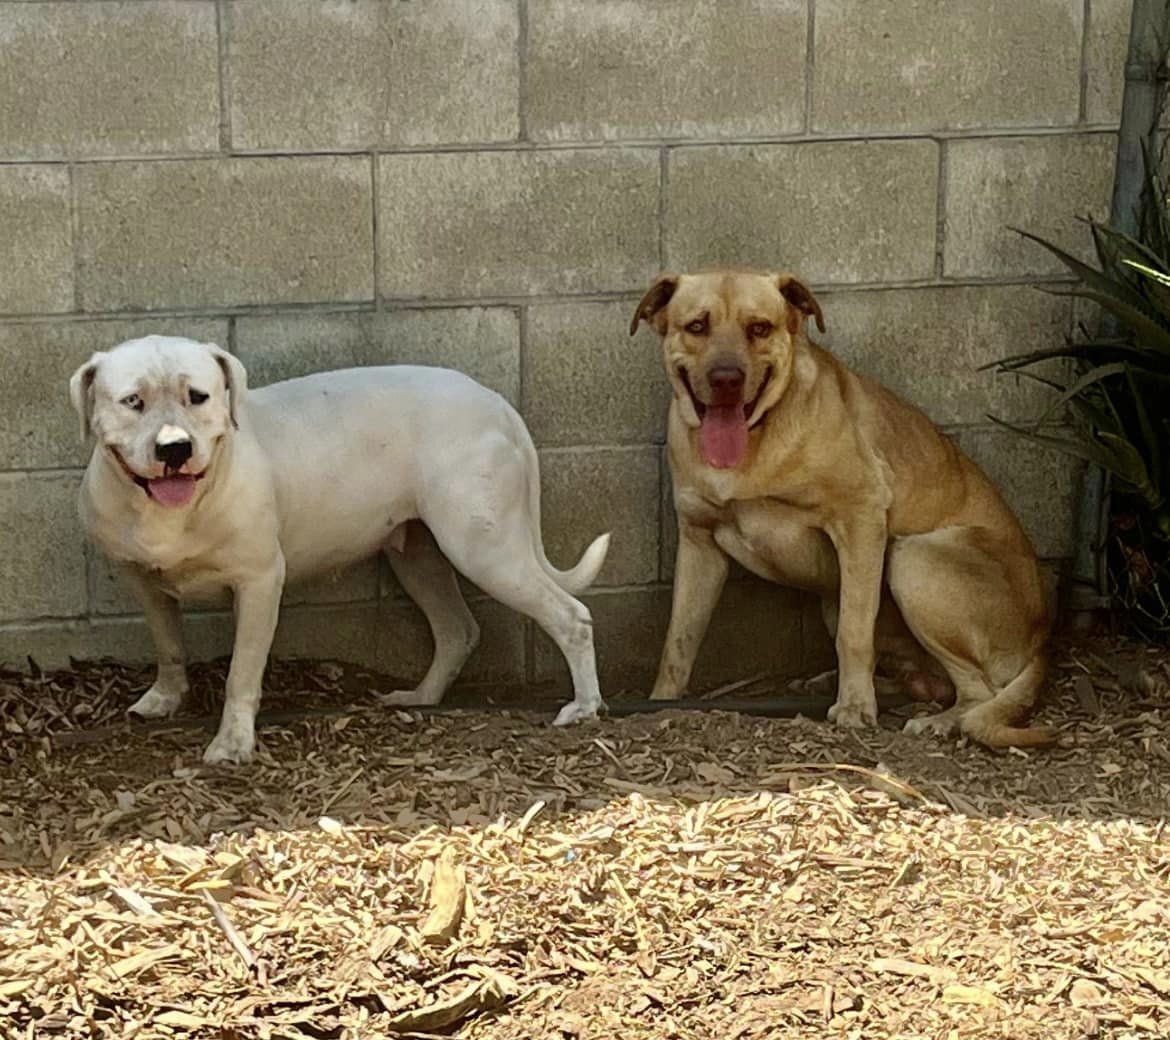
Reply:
x=236, y=378
x=81, y=392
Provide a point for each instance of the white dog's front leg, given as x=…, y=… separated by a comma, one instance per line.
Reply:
x=257, y=607
x=165, y=622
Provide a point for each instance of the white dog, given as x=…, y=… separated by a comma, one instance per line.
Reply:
x=197, y=489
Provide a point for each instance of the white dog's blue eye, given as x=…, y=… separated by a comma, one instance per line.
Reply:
x=197, y=396
x=134, y=401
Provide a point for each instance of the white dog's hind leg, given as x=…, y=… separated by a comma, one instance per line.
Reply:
x=165, y=622
x=480, y=516
x=523, y=585
x=257, y=607
x=495, y=550
x=429, y=579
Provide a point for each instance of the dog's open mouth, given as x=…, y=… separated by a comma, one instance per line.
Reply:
x=174, y=489
x=723, y=430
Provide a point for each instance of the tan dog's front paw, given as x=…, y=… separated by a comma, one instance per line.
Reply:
x=853, y=716
x=665, y=695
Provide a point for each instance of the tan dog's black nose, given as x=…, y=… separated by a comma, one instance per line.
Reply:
x=726, y=385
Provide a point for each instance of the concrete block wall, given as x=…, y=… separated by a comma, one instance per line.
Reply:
x=491, y=184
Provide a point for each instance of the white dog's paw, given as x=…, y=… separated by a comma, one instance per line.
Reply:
x=575, y=712
x=408, y=699
x=853, y=716
x=943, y=725
x=156, y=704
x=234, y=742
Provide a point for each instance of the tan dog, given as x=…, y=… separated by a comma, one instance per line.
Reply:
x=813, y=476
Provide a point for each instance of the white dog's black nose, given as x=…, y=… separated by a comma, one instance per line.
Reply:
x=172, y=446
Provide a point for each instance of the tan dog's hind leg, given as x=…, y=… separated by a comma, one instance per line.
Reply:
x=962, y=604
x=429, y=579
x=699, y=575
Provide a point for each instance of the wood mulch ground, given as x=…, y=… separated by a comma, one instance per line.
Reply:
x=378, y=873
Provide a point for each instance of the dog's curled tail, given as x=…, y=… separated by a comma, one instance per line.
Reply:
x=991, y=723
x=578, y=579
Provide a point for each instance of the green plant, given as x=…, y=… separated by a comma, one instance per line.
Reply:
x=1111, y=387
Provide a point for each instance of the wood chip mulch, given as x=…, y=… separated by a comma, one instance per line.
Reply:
x=377, y=873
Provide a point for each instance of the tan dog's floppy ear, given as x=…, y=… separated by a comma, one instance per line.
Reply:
x=235, y=376
x=801, y=298
x=81, y=392
x=656, y=298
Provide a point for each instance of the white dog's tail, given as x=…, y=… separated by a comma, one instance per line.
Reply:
x=585, y=573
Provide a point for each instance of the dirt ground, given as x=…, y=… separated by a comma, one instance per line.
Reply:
x=379, y=873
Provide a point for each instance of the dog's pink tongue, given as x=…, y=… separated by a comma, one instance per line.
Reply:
x=172, y=491
x=724, y=435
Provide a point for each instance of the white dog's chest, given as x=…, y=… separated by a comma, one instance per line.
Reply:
x=200, y=586
x=171, y=559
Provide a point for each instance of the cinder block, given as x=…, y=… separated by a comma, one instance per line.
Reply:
x=926, y=345
x=38, y=426
x=345, y=632
x=225, y=232
x=34, y=215
x=109, y=594
x=42, y=570
x=629, y=629
x=378, y=74
x=483, y=342
x=356, y=584
x=668, y=520
x=589, y=492
x=831, y=212
x=820, y=653
x=1106, y=48
x=516, y=223
x=1044, y=185
x=85, y=80
x=610, y=69
x=51, y=644
x=587, y=382
x=1039, y=483
x=756, y=630
x=946, y=64
x=404, y=646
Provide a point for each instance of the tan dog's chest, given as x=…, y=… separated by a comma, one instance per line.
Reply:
x=769, y=537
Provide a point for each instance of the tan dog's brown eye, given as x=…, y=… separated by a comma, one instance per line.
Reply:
x=197, y=396
x=760, y=329
x=697, y=327
x=133, y=401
